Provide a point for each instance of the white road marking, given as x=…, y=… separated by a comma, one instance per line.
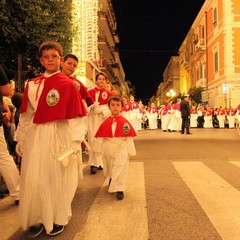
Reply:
x=236, y=163
x=110, y=218
x=220, y=200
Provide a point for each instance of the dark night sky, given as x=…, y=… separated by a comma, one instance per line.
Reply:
x=151, y=31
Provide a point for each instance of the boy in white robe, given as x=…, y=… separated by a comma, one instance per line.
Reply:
x=114, y=139
x=50, y=125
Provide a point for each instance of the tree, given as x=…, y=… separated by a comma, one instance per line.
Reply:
x=24, y=25
x=196, y=94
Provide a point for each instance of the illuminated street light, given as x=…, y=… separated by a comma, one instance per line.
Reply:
x=171, y=93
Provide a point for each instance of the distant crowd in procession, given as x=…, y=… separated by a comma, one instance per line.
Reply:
x=44, y=131
x=168, y=117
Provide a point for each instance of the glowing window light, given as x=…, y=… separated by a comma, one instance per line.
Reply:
x=85, y=30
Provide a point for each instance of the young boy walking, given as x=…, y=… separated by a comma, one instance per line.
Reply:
x=114, y=139
x=50, y=125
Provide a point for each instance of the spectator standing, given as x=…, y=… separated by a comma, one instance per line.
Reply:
x=185, y=113
x=8, y=168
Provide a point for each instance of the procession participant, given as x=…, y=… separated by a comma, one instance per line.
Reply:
x=169, y=114
x=50, y=126
x=208, y=118
x=140, y=116
x=176, y=120
x=134, y=113
x=114, y=140
x=164, y=120
x=99, y=111
x=69, y=65
x=193, y=117
x=238, y=116
x=126, y=108
x=220, y=117
x=200, y=117
x=152, y=113
x=231, y=117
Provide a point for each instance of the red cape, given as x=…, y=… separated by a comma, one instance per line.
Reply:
x=103, y=96
x=83, y=91
x=123, y=128
x=59, y=100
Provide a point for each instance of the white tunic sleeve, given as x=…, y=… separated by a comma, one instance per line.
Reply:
x=131, y=146
x=77, y=128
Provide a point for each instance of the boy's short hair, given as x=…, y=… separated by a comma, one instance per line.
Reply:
x=70, y=56
x=116, y=98
x=50, y=45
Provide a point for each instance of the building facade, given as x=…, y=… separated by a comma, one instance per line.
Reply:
x=210, y=54
x=94, y=42
x=170, y=86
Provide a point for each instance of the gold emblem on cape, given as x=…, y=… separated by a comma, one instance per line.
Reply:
x=52, y=97
x=77, y=84
x=126, y=128
x=104, y=95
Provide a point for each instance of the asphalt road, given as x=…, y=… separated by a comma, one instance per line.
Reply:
x=181, y=187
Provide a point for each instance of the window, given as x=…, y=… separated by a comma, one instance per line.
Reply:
x=216, y=62
x=215, y=20
x=203, y=32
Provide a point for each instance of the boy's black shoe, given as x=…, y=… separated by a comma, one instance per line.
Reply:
x=120, y=195
x=100, y=168
x=35, y=231
x=57, y=229
x=93, y=170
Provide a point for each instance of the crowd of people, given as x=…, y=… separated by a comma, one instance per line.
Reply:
x=57, y=117
x=168, y=117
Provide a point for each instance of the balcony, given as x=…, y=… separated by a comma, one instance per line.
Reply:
x=105, y=29
x=200, y=44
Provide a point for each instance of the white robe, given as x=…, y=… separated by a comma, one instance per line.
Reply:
x=47, y=187
x=115, y=152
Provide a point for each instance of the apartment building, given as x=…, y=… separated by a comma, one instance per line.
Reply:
x=94, y=42
x=170, y=86
x=210, y=54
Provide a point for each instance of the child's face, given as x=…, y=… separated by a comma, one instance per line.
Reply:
x=69, y=66
x=115, y=107
x=50, y=59
x=101, y=81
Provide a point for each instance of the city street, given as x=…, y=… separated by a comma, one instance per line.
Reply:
x=180, y=187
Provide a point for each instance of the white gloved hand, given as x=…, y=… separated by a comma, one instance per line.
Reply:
x=95, y=105
x=76, y=146
x=97, y=110
x=19, y=148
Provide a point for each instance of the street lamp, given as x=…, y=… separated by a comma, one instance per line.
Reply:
x=171, y=93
